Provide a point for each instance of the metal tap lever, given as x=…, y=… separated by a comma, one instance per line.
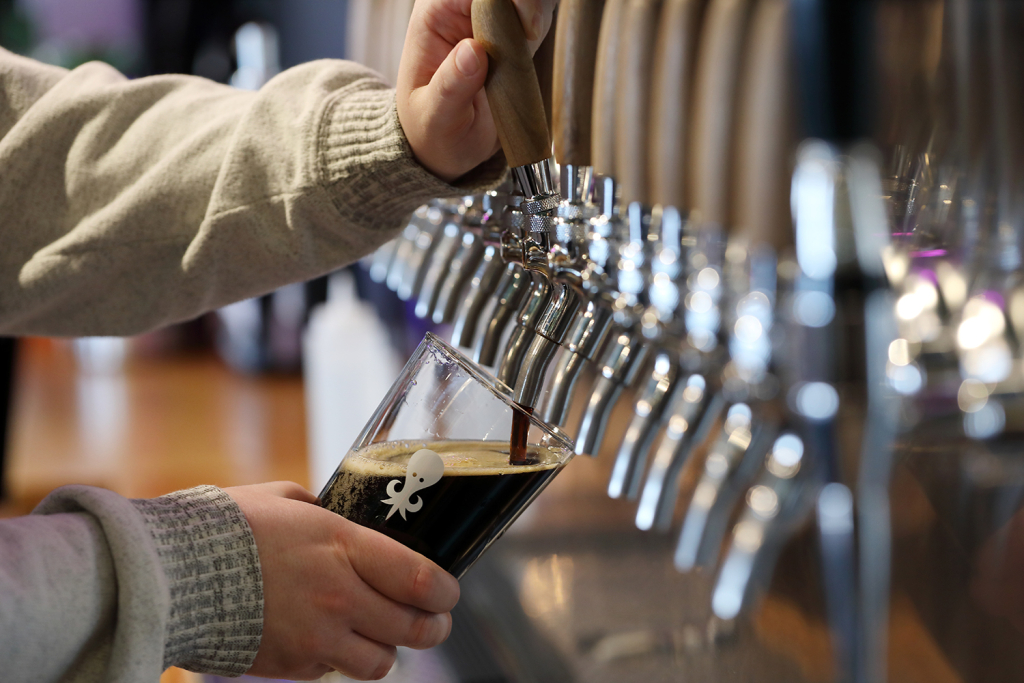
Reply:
x=741, y=442
x=769, y=504
x=482, y=286
x=628, y=471
x=511, y=291
x=621, y=365
x=692, y=412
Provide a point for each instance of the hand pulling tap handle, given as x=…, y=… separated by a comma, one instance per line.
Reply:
x=513, y=91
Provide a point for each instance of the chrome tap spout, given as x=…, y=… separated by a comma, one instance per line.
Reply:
x=522, y=335
x=482, y=286
x=631, y=460
x=495, y=318
x=690, y=416
x=619, y=368
x=461, y=270
x=550, y=334
x=739, y=447
x=583, y=343
x=413, y=253
x=770, y=504
x=438, y=269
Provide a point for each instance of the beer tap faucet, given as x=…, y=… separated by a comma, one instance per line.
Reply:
x=463, y=265
x=652, y=255
x=731, y=287
x=516, y=102
x=414, y=249
x=693, y=121
x=440, y=264
x=768, y=506
x=624, y=353
x=484, y=281
x=807, y=453
x=572, y=322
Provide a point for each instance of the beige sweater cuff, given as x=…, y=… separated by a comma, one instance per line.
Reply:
x=213, y=572
x=368, y=166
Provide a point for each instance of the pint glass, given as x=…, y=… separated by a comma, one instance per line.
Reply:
x=434, y=467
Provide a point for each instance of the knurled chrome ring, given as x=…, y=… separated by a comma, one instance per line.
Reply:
x=542, y=223
x=570, y=232
x=539, y=204
x=570, y=211
x=517, y=220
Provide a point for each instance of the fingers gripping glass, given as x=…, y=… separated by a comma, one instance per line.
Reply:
x=433, y=467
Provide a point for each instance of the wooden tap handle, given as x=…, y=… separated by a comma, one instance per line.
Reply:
x=765, y=131
x=576, y=32
x=719, y=57
x=671, y=90
x=544, y=65
x=640, y=26
x=606, y=88
x=512, y=88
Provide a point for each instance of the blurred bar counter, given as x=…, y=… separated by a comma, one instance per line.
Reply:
x=145, y=424
x=573, y=592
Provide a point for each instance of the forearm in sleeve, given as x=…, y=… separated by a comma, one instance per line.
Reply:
x=95, y=587
x=129, y=204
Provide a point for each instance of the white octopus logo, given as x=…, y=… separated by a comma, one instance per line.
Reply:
x=424, y=470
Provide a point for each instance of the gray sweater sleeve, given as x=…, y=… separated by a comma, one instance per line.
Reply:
x=95, y=587
x=130, y=204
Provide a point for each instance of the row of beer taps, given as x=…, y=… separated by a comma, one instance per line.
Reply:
x=714, y=240
x=654, y=267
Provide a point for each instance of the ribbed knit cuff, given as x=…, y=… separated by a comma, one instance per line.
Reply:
x=368, y=165
x=213, y=571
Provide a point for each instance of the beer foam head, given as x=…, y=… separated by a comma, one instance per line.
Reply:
x=461, y=458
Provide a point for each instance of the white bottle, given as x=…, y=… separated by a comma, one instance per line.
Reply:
x=349, y=364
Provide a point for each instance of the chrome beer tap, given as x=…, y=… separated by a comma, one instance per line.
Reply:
x=439, y=266
x=700, y=181
x=574, y=341
x=413, y=251
x=685, y=285
x=652, y=254
x=517, y=105
x=464, y=263
x=768, y=513
x=624, y=352
x=484, y=281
